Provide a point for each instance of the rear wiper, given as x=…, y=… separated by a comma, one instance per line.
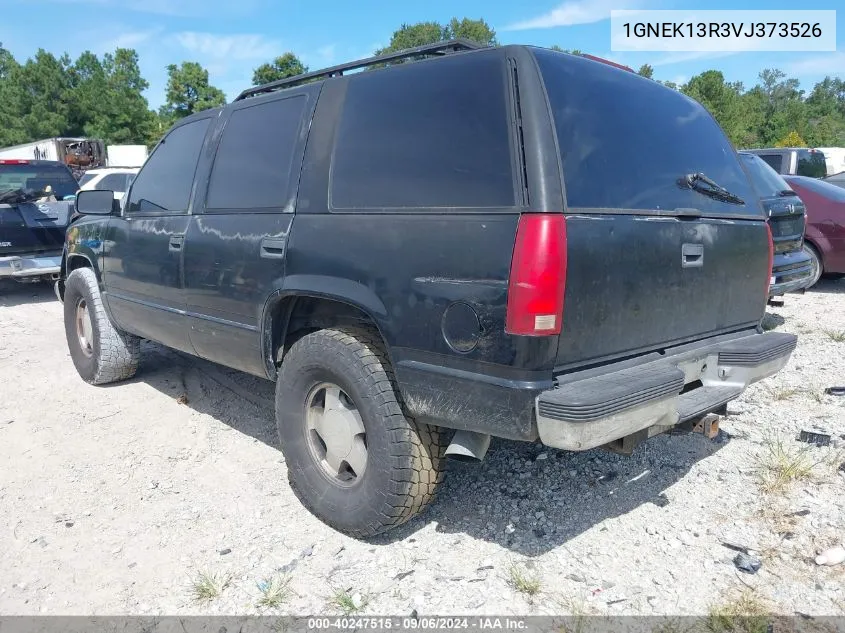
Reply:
x=702, y=184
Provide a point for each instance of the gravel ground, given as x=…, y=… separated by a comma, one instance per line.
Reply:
x=121, y=499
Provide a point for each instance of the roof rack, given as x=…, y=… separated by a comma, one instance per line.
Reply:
x=439, y=48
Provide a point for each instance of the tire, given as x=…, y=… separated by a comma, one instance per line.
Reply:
x=404, y=460
x=101, y=353
x=818, y=268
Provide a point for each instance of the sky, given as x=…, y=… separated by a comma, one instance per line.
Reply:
x=231, y=37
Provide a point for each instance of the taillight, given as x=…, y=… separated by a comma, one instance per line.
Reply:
x=538, y=276
x=770, y=277
x=13, y=161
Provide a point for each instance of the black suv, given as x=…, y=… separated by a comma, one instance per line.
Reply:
x=427, y=254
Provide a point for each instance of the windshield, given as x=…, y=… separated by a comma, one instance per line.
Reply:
x=811, y=163
x=829, y=191
x=86, y=178
x=766, y=180
x=37, y=177
x=625, y=142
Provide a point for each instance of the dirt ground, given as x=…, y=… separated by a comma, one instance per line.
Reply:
x=168, y=494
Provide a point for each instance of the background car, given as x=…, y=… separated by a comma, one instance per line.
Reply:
x=115, y=179
x=824, y=236
x=792, y=268
x=794, y=160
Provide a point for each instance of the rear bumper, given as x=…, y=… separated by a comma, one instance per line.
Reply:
x=19, y=266
x=594, y=411
x=790, y=272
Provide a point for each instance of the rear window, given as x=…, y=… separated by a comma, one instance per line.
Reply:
x=766, y=180
x=426, y=135
x=811, y=164
x=38, y=177
x=625, y=141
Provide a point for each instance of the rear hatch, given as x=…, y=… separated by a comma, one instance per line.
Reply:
x=655, y=256
x=28, y=226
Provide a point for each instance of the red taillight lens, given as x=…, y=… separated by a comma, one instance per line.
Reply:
x=770, y=277
x=538, y=276
x=13, y=161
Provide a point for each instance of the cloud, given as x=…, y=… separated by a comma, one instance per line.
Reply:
x=575, y=12
x=822, y=64
x=239, y=47
x=131, y=39
x=175, y=8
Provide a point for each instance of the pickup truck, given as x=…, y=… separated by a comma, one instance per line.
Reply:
x=432, y=253
x=33, y=217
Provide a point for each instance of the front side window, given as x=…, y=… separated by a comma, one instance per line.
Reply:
x=433, y=134
x=164, y=184
x=775, y=161
x=254, y=159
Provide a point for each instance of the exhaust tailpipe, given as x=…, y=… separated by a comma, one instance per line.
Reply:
x=468, y=446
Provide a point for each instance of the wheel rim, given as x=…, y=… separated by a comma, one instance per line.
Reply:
x=336, y=434
x=84, y=328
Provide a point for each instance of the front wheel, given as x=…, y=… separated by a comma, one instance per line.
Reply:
x=100, y=352
x=354, y=459
x=816, y=263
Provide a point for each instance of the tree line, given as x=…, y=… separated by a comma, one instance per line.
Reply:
x=102, y=97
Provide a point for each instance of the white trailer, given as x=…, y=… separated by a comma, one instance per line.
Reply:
x=126, y=155
x=79, y=154
x=834, y=157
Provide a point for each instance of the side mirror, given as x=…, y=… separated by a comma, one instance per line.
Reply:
x=95, y=202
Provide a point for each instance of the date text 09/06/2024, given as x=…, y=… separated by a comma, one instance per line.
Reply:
x=749, y=30
x=406, y=623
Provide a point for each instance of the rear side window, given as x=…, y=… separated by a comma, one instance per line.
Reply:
x=766, y=180
x=112, y=182
x=164, y=184
x=626, y=141
x=253, y=164
x=428, y=135
x=811, y=164
x=775, y=161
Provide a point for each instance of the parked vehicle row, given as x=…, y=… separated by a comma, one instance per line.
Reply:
x=418, y=274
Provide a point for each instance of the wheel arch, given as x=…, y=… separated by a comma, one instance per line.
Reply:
x=294, y=311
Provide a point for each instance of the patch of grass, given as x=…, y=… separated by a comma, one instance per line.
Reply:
x=524, y=581
x=208, y=586
x=345, y=601
x=781, y=465
x=274, y=591
x=745, y=613
x=837, y=336
x=784, y=393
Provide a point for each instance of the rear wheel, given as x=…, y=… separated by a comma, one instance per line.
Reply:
x=100, y=352
x=816, y=262
x=354, y=459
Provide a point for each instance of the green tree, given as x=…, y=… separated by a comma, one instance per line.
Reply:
x=422, y=33
x=287, y=65
x=647, y=71
x=722, y=99
x=188, y=91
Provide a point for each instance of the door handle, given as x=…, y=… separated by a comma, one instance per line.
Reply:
x=273, y=248
x=176, y=242
x=692, y=255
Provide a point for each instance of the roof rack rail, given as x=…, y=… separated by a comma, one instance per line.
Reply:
x=439, y=48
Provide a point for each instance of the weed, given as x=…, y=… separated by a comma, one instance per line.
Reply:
x=784, y=393
x=345, y=601
x=208, y=586
x=837, y=336
x=744, y=614
x=779, y=466
x=523, y=582
x=274, y=591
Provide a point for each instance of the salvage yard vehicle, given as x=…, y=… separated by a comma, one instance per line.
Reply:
x=433, y=253
x=824, y=240
x=115, y=179
x=794, y=161
x=792, y=267
x=33, y=217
